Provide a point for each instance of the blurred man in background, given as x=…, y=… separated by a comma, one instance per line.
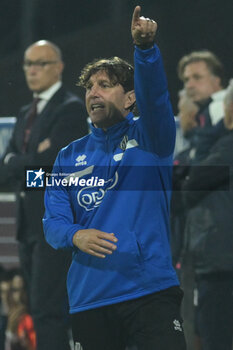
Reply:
x=202, y=112
x=203, y=76
x=53, y=119
x=209, y=197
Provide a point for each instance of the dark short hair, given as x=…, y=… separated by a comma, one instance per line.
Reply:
x=118, y=70
x=211, y=60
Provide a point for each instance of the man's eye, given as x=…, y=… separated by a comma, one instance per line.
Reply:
x=105, y=85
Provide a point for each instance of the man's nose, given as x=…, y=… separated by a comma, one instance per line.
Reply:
x=32, y=70
x=94, y=90
x=189, y=84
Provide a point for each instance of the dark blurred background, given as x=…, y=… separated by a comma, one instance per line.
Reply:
x=85, y=29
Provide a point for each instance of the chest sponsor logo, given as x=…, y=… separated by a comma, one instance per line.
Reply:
x=91, y=197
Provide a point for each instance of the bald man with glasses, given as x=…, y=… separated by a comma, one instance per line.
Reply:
x=53, y=119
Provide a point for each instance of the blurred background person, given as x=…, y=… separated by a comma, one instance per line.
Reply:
x=5, y=279
x=204, y=80
x=201, y=112
x=50, y=122
x=203, y=76
x=20, y=333
x=208, y=195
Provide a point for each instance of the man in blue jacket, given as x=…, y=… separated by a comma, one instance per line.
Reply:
x=110, y=205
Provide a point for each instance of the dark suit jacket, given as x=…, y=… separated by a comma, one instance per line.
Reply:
x=208, y=193
x=62, y=120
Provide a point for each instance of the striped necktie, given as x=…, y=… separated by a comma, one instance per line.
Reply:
x=31, y=116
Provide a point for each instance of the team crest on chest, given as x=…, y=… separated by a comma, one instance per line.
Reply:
x=123, y=143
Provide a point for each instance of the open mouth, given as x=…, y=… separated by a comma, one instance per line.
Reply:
x=97, y=106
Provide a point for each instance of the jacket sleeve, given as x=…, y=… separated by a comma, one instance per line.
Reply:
x=58, y=221
x=156, y=116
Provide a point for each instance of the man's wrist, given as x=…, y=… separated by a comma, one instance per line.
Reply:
x=76, y=237
x=144, y=46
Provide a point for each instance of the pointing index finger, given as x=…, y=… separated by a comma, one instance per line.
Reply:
x=136, y=14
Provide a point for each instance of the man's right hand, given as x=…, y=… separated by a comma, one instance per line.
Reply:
x=143, y=29
x=95, y=242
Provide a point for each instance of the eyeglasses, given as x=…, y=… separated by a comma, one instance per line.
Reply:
x=37, y=64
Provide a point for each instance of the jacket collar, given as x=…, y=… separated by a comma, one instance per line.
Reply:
x=114, y=132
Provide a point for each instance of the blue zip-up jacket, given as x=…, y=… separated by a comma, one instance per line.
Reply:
x=134, y=157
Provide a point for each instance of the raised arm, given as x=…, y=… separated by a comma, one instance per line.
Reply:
x=152, y=96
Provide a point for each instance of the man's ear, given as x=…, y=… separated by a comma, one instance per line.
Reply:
x=129, y=99
x=217, y=83
x=60, y=67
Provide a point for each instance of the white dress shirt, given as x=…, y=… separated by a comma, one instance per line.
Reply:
x=46, y=95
